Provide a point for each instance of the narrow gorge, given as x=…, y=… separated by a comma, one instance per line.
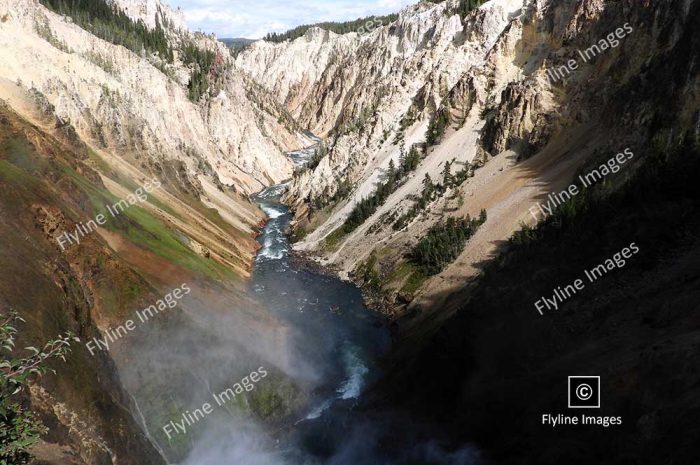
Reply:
x=392, y=240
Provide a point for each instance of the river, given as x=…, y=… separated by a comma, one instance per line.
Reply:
x=344, y=338
x=336, y=334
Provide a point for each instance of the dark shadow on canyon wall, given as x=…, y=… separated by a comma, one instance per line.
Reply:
x=497, y=366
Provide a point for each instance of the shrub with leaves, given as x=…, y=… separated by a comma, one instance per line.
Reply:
x=20, y=428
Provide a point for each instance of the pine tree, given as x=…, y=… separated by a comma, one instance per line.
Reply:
x=443, y=243
x=113, y=25
x=368, y=206
x=402, y=157
x=447, y=175
x=391, y=173
x=411, y=161
x=428, y=187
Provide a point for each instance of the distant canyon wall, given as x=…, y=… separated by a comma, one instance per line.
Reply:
x=138, y=105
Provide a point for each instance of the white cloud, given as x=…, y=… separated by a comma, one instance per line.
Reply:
x=240, y=18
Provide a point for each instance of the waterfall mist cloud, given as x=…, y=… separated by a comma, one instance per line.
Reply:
x=235, y=441
x=215, y=338
x=175, y=364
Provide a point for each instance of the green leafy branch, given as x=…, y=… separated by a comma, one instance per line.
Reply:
x=19, y=428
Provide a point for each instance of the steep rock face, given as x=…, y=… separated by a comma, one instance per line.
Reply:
x=153, y=13
x=519, y=118
x=291, y=70
x=125, y=103
x=88, y=412
x=375, y=100
x=87, y=123
x=334, y=78
x=379, y=85
x=517, y=123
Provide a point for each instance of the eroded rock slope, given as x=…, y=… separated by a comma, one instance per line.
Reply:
x=493, y=93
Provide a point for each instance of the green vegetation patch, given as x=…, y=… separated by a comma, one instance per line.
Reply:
x=274, y=398
x=443, y=243
x=17, y=151
x=100, y=162
x=368, y=273
x=18, y=164
x=147, y=231
x=10, y=173
x=125, y=181
x=300, y=234
x=333, y=239
x=414, y=282
x=438, y=124
x=201, y=61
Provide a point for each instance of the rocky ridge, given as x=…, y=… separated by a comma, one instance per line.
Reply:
x=521, y=133
x=138, y=105
x=153, y=12
x=373, y=96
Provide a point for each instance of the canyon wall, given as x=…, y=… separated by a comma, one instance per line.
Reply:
x=493, y=93
x=138, y=104
x=84, y=124
x=564, y=87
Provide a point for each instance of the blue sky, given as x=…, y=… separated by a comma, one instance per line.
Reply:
x=254, y=19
